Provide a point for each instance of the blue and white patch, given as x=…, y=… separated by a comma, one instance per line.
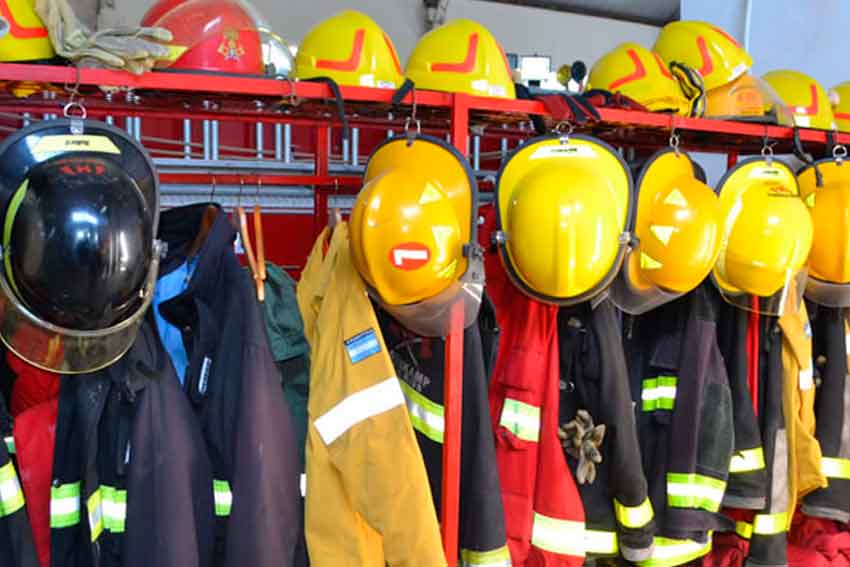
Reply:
x=362, y=346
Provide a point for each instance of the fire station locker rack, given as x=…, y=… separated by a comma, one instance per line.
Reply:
x=278, y=118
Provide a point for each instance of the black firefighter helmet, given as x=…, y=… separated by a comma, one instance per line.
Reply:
x=80, y=206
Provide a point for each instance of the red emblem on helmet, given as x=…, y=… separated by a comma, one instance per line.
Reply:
x=410, y=255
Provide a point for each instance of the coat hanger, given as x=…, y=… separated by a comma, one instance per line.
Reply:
x=246, y=243
x=261, y=247
x=334, y=214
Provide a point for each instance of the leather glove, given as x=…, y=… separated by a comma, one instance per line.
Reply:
x=581, y=440
x=134, y=49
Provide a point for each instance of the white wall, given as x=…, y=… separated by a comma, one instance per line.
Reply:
x=811, y=37
x=566, y=37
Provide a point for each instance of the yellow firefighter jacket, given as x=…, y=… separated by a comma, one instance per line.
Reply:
x=368, y=502
x=798, y=404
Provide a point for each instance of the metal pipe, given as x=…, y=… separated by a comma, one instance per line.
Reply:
x=137, y=128
x=278, y=142
x=748, y=18
x=259, y=140
x=476, y=153
x=504, y=148
x=355, y=146
x=206, y=126
x=128, y=125
x=287, y=143
x=187, y=138
x=345, y=148
x=214, y=132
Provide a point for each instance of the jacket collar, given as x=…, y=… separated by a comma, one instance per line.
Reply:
x=180, y=227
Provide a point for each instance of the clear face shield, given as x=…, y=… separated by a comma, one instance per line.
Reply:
x=69, y=351
x=432, y=317
x=634, y=294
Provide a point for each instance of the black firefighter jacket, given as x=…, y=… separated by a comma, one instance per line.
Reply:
x=234, y=387
x=594, y=378
x=686, y=428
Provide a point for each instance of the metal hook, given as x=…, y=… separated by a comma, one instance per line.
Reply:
x=839, y=152
x=293, y=98
x=565, y=135
x=767, y=148
x=212, y=192
x=675, y=141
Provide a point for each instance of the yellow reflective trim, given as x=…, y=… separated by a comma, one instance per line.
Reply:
x=521, y=419
x=744, y=529
x=426, y=416
x=495, y=558
x=11, y=495
x=770, y=524
x=633, y=516
x=601, y=543
x=93, y=504
x=558, y=536
x=747, y=461
x=835, y=468
x=671, y=552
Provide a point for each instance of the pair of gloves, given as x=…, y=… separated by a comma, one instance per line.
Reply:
x=134, y=49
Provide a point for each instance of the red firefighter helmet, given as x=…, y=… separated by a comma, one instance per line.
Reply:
x=210, y=35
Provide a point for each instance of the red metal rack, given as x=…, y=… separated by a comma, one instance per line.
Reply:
x=174, y=104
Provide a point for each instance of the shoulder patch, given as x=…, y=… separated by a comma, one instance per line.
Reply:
x=362, y=346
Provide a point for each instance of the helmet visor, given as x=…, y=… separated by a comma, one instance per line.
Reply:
x=69, y=351
x=828, y=294
x=634, y=294
x=789, y=295
x=432, y=317
x=750, y=99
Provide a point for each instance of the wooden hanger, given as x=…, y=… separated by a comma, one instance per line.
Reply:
x=258, y=235
x=246, y=244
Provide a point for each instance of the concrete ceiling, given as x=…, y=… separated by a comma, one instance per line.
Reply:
x=652, y=12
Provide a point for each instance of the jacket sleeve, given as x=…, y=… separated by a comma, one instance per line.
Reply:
x=747, y=484
x=701, y=428
x=265, y=515
x=482, y=525
x=362, y=420
x=628, y=486
x=16, y=544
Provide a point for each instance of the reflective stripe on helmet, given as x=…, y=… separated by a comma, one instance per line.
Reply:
x=357, y=407
x=65, y=505
x=694, y=491
x=633, y=516
x=670, y=552
x=223, y=498
x=835, y=468
x=11, y=495
x=558, y=536
x=8, y=224
x=425, y=415
x=659, y=393
x=494, y=558
x=600, y=542
x=747, y=460
x=521, y=419
x=770, y=524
